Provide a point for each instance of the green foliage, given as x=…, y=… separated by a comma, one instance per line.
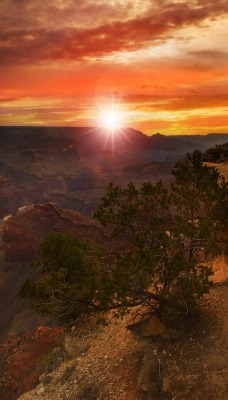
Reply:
x=53, y=358
x=169, y=236
x=134, y=212
x=72, y=272
x=216, y=154
x=161, y=242
x=201, y=209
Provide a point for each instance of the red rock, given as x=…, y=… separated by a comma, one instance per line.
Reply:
x=22, y=359
x=24, y=231
x=21, y=235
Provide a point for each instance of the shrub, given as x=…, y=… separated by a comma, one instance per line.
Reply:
x=162, y=240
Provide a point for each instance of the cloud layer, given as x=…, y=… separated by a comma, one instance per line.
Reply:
x=156, y=56
x=71, y=31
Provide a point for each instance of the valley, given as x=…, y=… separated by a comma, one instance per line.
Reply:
x=73, y=166
x=51, y=180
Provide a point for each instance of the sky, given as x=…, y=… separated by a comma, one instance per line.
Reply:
x=161, y=65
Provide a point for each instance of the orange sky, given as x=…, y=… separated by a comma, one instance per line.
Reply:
x=163, y=63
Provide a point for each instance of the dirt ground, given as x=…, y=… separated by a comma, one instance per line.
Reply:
x=105, y=360
x=196, y=366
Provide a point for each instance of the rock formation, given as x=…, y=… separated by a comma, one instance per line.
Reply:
x=73, y=166
x=20, y=236
x=24, y=357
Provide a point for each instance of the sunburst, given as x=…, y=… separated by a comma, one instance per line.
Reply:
x=111, y=119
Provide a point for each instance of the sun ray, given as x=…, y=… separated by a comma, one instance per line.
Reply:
x=111, y=119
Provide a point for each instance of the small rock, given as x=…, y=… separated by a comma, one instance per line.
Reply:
x=149, y=380
x=148, y=327
x=166, y=384
x=41, y=390
x=42, y=377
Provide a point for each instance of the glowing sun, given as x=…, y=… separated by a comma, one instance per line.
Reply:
x=111, y=119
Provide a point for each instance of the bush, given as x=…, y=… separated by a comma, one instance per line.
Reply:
x=170, y=236
x=162, y=240
x=72, y=271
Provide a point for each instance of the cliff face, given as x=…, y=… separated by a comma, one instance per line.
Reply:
x=24, y=231
x=23, y=355
x=11, y=195
x=20, y=236
x=23, y=359
x=73, y=166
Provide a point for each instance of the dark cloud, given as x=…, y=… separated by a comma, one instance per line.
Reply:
x=11, y=99
x=213, y=5
x=195, y=102
x=209, y=54
x=28, y=14
x=22, y=46
x=206, y=59
x=175, y=102
x=200, y=60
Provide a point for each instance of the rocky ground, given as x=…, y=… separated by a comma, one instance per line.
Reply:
x=24, y=357
x=105, y=362
x=108, y=362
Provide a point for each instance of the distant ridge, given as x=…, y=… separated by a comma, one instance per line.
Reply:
x=126, y=142
x=127, y=145
x=211, y=139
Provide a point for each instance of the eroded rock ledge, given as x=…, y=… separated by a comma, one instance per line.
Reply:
x=20, y=236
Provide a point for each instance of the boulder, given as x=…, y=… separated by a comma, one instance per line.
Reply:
x=149, y=380
x=149, y=327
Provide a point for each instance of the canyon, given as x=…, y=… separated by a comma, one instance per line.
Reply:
x=51, y=180
x=73, y=166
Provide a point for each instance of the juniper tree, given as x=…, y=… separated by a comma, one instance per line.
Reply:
x=71, y=273
x=170, y=235
x=161, y=243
